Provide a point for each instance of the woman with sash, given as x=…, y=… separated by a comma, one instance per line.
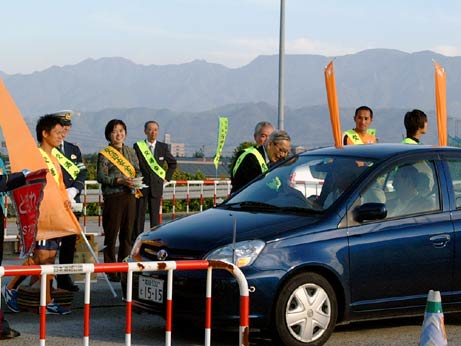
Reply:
x=116, y=168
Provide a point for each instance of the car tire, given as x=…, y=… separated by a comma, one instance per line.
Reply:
x=305, y=311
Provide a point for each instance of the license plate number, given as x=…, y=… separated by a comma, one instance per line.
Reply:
x=150, y=289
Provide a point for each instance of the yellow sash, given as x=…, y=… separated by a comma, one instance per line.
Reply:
x=51, y=167
x=121, y=163
x=65, y=163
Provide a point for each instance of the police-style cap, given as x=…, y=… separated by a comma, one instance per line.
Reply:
x=64, y=116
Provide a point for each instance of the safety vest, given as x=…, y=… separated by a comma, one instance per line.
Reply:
x=150, y=159
x=65, y=163
x=356, y=139
x=256, y=153
x=409, y=140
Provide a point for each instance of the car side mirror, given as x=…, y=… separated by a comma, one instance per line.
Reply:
x=370, y=211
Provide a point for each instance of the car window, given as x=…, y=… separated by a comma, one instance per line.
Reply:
x=310, y=182
x=405, y=189
x=455, y=172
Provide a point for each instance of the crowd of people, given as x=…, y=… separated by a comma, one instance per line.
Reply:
x=132, y=181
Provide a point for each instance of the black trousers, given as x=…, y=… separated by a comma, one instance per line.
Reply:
x=153, y=205
x=118, y=217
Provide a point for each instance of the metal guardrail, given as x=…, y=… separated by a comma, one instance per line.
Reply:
x=173, y=190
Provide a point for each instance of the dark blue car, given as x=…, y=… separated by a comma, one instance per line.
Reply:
x=328, y=236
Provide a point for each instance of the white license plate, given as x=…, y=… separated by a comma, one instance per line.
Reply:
x=150, y=289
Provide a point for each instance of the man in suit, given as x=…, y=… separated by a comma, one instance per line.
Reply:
x=152, y=156
x=74, y=174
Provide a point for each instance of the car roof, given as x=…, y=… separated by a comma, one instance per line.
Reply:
x=380, y=151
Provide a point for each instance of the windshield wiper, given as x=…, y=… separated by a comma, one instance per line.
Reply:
x=251, y=205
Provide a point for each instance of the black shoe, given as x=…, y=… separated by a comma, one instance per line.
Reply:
x=66, y=283
x=113, y=277
x=9, y=334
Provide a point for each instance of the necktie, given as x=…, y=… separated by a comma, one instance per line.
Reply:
x=152, y=149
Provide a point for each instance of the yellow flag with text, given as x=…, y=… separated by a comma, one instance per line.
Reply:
x=222, y=133
x=55, y=220
x=330, y=84
x=441, y=103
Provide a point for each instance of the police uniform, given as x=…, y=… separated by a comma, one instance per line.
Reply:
x=76, y=184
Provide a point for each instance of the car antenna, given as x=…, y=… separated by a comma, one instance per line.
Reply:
x=234, y=237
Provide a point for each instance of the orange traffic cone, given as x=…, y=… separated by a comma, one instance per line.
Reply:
x=433, y=333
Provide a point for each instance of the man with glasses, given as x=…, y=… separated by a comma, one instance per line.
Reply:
x=256, y=160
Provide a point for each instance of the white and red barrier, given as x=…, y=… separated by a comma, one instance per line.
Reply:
x=129, y=268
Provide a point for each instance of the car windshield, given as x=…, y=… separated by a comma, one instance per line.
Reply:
x=303, y=183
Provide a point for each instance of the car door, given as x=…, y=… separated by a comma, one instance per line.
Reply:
x=453, y=164
x=394, y=262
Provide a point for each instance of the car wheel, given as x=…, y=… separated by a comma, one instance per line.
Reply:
x=305, y=311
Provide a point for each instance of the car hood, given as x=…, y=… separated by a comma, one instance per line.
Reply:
x=205, y=231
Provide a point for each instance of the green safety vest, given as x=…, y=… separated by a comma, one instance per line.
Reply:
x=256, y=153
x=150, y=159
x=355, y=137
x=409, y=141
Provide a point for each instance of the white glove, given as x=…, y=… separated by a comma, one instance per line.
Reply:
x=72, y=192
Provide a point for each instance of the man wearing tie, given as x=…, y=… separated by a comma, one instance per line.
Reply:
x=74, y=175
x=152, y=156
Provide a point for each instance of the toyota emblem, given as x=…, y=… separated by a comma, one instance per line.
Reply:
x=162, y=255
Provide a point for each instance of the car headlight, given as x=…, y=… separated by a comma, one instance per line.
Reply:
x=241, y=254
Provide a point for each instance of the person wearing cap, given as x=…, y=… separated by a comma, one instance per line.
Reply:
x=152, y=155
x=74, y=174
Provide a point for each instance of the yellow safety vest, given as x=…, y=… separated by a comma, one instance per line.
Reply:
x=355, y=138
x=256, y=153
x=409, y=140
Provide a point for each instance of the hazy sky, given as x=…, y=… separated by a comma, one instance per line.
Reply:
x=37, y=34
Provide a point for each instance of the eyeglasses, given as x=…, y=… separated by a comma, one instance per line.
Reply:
x=282, y=151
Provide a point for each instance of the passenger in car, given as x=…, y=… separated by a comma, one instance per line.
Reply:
x=409, y=199
x=342, y=174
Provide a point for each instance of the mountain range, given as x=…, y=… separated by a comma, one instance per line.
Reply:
x=186, y=99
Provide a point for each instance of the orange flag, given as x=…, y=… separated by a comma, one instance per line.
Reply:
x=330, y=84
x=441, y=103
x=55, y=220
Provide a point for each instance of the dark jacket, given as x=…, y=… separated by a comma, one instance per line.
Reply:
x=11, y=181
x=248, y=169
x=73, y=153
x=151, y=179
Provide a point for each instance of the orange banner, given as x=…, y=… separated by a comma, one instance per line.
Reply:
x=330, y=84
x=55, y=219
x=441, y=103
